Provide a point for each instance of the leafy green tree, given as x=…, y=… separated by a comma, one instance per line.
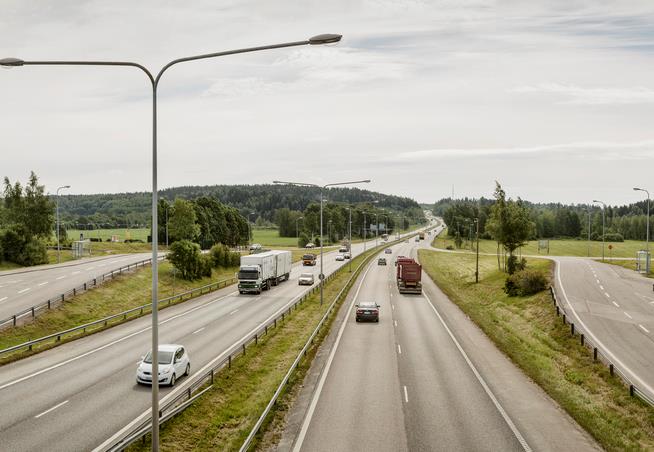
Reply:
x=182, y=222
x=186, y=257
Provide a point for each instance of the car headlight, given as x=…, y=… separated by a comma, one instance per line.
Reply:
x=165, y=370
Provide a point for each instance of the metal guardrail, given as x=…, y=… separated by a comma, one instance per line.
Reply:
x=598, y=353
x=199, y=385
x=121, y=316
x=33, y=311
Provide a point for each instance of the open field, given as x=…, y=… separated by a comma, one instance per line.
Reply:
x=528, y=331
x=222, y=418
x=104, y=234
x=122, y=293
x=563, y=247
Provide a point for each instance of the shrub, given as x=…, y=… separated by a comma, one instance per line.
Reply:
x=525, y=282
x=614, y=237
x=449, y=247
x=205, y=265
x=513, y=265
x=34, y=253
x=217, y=254
x=13, y=244
x=186, y=257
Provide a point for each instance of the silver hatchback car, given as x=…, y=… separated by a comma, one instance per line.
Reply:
x=174, y=362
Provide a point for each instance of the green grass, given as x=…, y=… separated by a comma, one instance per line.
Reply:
x=631, y=265
x=222, y=418
x=563, y=247
x=528, y=331
x=121, y=293
x=270, y=237
x=104, y=234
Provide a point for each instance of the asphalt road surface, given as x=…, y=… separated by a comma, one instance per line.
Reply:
x=23, y=288
x=76, y=396
x=410, y=382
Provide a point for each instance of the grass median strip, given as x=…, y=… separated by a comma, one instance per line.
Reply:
x=119, y=294
x=528, y=331
x=222, y=418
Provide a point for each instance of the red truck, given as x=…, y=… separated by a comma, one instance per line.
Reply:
x=409, y=274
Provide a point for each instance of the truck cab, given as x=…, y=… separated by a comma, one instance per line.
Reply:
x=249, y=279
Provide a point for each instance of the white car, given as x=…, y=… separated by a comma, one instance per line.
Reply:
x=255, y=247
x=340, y=257
x=347, y=255
x=305, y=279
x=173, y=360
x=309, y=245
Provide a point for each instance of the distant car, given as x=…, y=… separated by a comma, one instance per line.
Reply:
x=342, y=249
x=305, y=279
x=347, y=255
x=174, y=362
x=388, y=251
x=340, y=257
x=381, y=261
x=417, y=238
x=367, y=310
x=255, y=247
x=309, y=245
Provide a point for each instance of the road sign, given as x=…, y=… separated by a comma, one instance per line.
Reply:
x=321, y=277
x=610, y=247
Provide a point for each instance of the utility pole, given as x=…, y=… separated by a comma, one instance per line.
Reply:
x=477, y=267
x=350, y=234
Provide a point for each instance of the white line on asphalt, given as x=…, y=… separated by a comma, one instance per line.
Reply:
x=60, y=277
x=197, y=331
x=643, y=328
x=51, y=409
x=625, y=313
x=406, y=395
x=616, y=304
x=597, y=281
x=391, y=294
x=3, y=299
x=323, y=377
x=393, y=306
x=24, y=290
x=399, y=349
x=395, y=322
x=43, y=283
x=75, y=273
x=607, y=295
x=481, y=380
x=601, y=287
x=233, y=312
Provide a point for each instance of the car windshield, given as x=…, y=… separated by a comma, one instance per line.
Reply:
x=165, y=357
x=248, y=274
x=307, y=256
x=306, y=275
x=368, y=304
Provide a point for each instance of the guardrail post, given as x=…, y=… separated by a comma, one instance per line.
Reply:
x=33, y=313
x=557, y=311
x=611, y=369
x=74, y=291
x=564, y=318
x=275, y=321
x=582, y=338
x=594, y=353
x=266, y=329
x=49, y=304
x=14, y=317
x=256, y=339
x=244, y=349
x=572, y=329
x=188, y=392
x=211, y=376
x=84, y=286
x=62, y=298
x=229, y=361
x=631, y=390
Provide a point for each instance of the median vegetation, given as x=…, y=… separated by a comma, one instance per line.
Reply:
x=528, y=331
x=120, y=294
x=222, y=418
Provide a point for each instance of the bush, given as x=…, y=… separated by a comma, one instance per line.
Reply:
x=218, y=255
x=186, y=257
x=34, y=253
x=449, y=247
x=205, y=265
x=525, y=282
x=513, y=265
x=13, y=243
x=614, y=237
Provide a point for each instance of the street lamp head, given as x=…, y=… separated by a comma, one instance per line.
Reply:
x=638, y=189
x=325, y=39
x=66, y=186
x=11, y=62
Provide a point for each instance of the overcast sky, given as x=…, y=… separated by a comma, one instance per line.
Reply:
x=555, y=99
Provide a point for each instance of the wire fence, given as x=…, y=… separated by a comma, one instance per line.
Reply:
x=203, y=382
x=599, y=354
x=30, y=313
x=115, y=318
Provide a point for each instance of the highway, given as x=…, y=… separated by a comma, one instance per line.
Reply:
x=616, y=307
x=23, y=288
x=76, y=396
x=423, y=378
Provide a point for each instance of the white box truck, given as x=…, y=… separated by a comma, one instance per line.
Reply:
x=261, y=271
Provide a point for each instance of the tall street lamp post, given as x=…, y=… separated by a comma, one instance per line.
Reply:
x=250, y=226
x=58, y=225
x=477, y=264
x=647, y=233
x=603, y=224
x=297, y=230
x=349, y=209
x=588, y=231
x=154, y=81
x=322, y=188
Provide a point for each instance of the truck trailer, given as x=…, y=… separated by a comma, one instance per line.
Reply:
x=409, y=275
x=262, y=271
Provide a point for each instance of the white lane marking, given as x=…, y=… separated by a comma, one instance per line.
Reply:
x=233, y=312
x=75, y=273
x=51, y=409
x=395, y=322
x=601, y=287
x=406, y=395
x=24, y=290
x=594, y=338
x=607, y=295
x=399, y=349
x=198, y=330
x=481, y=380
x=60, y=277
x=598, y=282
x=3, y=299
x=117, y=341
x=391, y=294
x=627, y=314
x=393, y=306
x=643, y=328
x=43, y=283
x=616, y=304
x=323, y=377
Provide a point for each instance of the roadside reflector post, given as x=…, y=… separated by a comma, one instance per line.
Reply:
x=582, y=339
x=572, y=329
x=594, y=353
x=611, y=369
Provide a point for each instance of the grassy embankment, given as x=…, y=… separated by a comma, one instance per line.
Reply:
x=222, y=418
x=120, y=294
x=528, y=331
x=562, y=247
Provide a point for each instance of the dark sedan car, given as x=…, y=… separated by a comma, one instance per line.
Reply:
x=381, y=261
x=367, y=310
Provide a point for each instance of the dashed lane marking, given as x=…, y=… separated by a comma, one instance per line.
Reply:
x=627, y=314
x=24, y=290
x=51, y=409
x=643, y=328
